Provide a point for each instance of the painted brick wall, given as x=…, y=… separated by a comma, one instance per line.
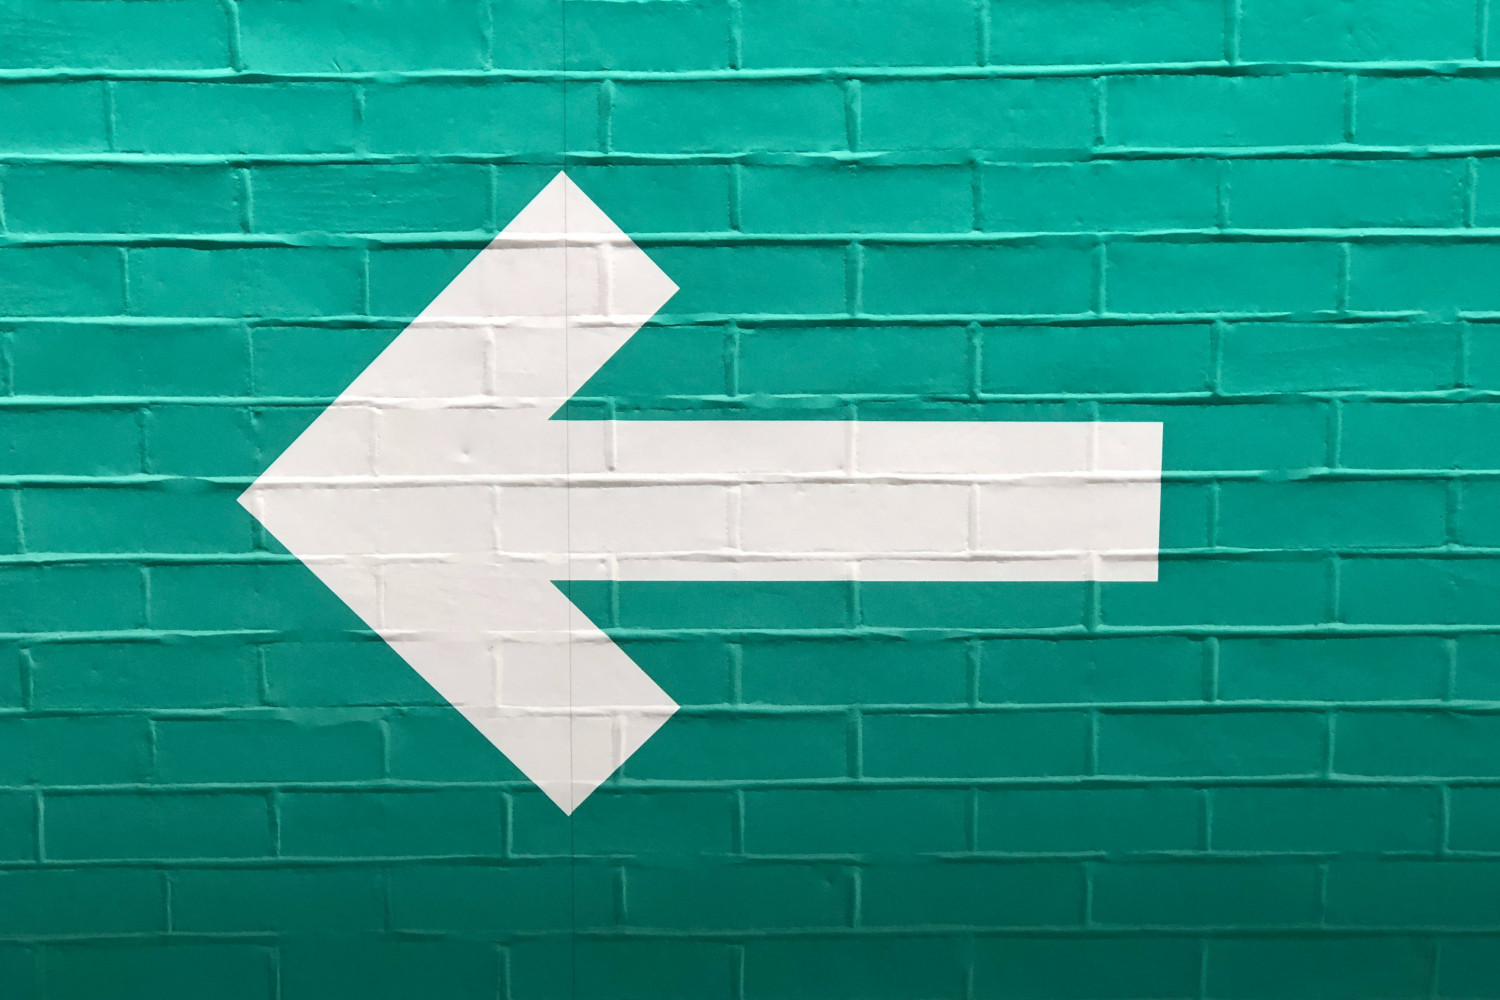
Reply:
x=1264, y=223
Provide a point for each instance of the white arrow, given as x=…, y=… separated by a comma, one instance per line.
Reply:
x=439, y=500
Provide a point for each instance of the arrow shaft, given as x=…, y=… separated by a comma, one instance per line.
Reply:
x=765, y=500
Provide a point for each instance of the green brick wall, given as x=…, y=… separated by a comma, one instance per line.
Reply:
x=1264, y=223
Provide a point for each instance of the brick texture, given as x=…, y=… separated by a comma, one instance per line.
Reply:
x=1266, y=224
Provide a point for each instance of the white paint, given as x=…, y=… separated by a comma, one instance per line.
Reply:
x=438, y=499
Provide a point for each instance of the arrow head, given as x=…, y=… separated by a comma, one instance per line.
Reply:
x=408, y=495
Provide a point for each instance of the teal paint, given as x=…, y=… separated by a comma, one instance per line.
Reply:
x=1272, y=774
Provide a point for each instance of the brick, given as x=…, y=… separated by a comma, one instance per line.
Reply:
x=973, y=894
x=1104, y=195
x=279, y=282
x=1326, y=820
x=751, y=747
x=1482, y=363
x=1044, y=360
x=1425, y=111
x=1333, y=669
x=1422, y=893
x=696, y=671
x=1340, y=514
x=856, y=821
x=313, y=360
x=977, y=279
x=85, y=901
x=1179, y=744
x=1073, y=967
x=360, y=670
x=864, y=518
x=403, y=281
x=268, y=596
x=1487, y=193
x=1345, y=194
x=754, y=280
x=264, y=432
x=167, y=826
x=623, y=823
x=1224, y=590
x=635, y=377
x=1093, y=820
x=335, y=198
x=1222, y=277
x=551, y=897
x=18, y=970
x=123, y=519
x=1298, y=109
x=758, y=897
x=88, y=359
x=1312, y=968
x=18, y=839
x=357, y=824
x=1091, y=671
x=1416, y=742
x=853, y=672
x=1412, y=591
x=226, y=118
x=1474, y=818
x=1296, y=30
x=856, y=199
x=61, y=281
x=431, y=745
x=690, y=117
x=1477, y=674
x=635, y=968
x=307, y=747
x=141, y=675
x=657, y=197
x=960, y=606
x=53, y=117
x=1475, y=502
x=1437, y=278
x=1321, y=357
x=527, y=34
x=1036, y=32
x=462, y=116
x=278, y=901
x=70, y=442
x=60, y=598
x=999, y=114
x=148, y=969
x=859, y=33
x=114, y=34
x=745, y=605
x=75, y=749
x=988, y=745
x=120, y=197
x=1276, y=434
x=1418, y=435
x=877, y=968
x=1207, y=893
x=386, y=968
x=201, y=441
x=287, y=36
x=1466, y=966
x=604, y=35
